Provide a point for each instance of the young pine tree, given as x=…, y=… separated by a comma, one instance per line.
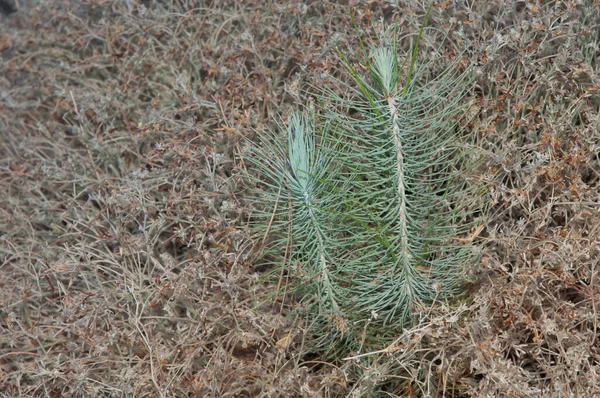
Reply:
x=364, y=199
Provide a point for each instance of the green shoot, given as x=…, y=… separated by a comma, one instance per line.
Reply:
x=371, y=206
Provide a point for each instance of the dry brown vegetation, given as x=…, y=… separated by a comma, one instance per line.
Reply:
x=126, y=268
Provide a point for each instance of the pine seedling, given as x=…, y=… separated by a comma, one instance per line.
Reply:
x=366, y=199
x=291, y=196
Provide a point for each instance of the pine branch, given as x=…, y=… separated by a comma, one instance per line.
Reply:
x=377, y=203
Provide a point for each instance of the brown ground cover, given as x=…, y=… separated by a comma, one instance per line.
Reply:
x=126, y=265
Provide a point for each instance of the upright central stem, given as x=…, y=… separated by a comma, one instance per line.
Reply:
x=406, y=255
x=324, y=263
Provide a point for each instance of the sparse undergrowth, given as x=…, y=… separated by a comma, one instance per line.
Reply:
x=126, y=268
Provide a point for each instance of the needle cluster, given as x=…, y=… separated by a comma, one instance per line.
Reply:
x=366, y=199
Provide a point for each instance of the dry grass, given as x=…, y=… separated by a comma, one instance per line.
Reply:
x=126, y=268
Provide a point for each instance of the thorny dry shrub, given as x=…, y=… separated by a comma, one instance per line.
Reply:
x=126, y=268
